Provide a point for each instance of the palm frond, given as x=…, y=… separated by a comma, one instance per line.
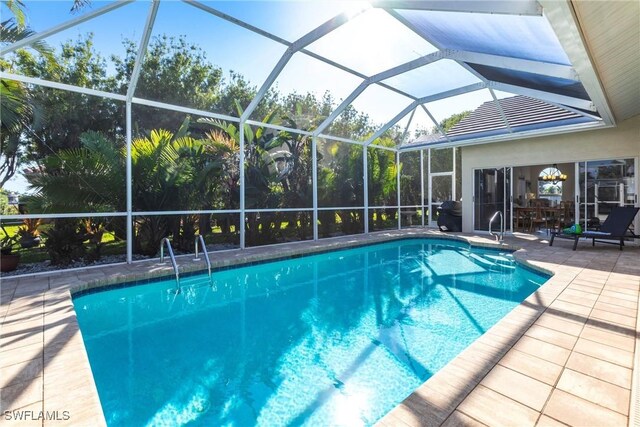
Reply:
x=15, y=110
x=11, y=32
x=78, y=5
x=16, y=7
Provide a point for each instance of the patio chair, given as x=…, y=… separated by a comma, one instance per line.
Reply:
x=616, y=227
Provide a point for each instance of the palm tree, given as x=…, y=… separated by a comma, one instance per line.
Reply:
x=261, y=175
x=169, y=172
x=16, y=109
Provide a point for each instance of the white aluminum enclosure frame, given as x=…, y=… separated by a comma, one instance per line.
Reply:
x=558, y=14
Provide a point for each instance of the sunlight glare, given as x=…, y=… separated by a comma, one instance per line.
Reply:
x=350, y=407
x=355, y=7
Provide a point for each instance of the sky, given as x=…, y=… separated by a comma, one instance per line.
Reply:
x=369, y=43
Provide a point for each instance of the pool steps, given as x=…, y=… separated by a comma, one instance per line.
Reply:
x=199, y=240
x=492, y=262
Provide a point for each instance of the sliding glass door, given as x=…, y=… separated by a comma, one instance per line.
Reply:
x=491, y=193
x=603, y=184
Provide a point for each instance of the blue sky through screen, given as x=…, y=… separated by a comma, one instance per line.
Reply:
x=234, y=48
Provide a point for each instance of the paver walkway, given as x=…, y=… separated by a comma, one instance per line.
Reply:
x=565, y=355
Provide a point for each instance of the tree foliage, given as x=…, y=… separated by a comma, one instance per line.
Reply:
x=74, y=145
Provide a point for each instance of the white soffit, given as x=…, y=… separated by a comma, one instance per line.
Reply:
x=612, y=34
x=560, y=15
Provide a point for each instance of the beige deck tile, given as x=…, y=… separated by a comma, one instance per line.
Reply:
x=78, y=415
x=532, y=366
x=5, y=299
x=519, y=387
x=546, y=421
x=552, y=336
x=575, y=293
x=516, y=325
x=604, y=352
x=445, y=399
x=498, y=341
x=4, y=308
x=449, y=386
x=484, y=353
x=18, y=340
x=543, y=350
x=628, y=281
x=24, y=289
x=17, y=317
x=27, y=416
x=617, y=301
x=587, y=302
x=427, y=410
x=20, y=354
x=573, y=410
x=541, y=299
x=608, y=337
x=601, y=369
x=593, y=275
x=585, y=288
x=465, y=370
x=601, y=305
x=20, y=372
x=615, y=318
x=26, y=304
x=570, y=308
x=22, y=328
x=482, y=405
x=524, y=312
x=19, y=395
x=582, y=282
x=594, y=390
x=392, y=419
x=458, y=419
x=508, y=329
x=411, y=414
x=620, y=296
x=561, y=324
x=622, y=289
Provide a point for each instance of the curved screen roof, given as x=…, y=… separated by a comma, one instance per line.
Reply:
x=437, y=58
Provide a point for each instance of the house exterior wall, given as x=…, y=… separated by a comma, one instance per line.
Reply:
x=622, y=141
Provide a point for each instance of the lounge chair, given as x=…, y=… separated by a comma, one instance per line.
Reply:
x=615, y=227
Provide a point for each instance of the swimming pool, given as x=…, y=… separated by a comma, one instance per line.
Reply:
x=337, y=338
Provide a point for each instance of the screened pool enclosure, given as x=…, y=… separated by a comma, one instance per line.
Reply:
x=256, y=123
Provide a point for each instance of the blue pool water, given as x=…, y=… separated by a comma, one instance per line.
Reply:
x=337, y=338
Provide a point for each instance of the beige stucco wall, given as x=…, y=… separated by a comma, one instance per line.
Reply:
x=623, y=141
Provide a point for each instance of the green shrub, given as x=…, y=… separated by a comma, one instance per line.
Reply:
x=64, y=241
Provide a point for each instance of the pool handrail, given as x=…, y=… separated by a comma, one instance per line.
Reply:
x=173, y=260
x=199, y=239
x=499, y=238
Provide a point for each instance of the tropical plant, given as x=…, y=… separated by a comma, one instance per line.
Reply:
x=382, y=173
x=90, y=178
x=16, y=109
x=7, y=242
x=340, y=183
x=261, y=175
x=28, y=233
x=65, y=241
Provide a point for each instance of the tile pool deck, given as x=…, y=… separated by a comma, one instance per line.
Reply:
x=566, y=355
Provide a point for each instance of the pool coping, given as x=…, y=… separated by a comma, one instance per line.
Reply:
x=191, y=269
x=43, y=354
